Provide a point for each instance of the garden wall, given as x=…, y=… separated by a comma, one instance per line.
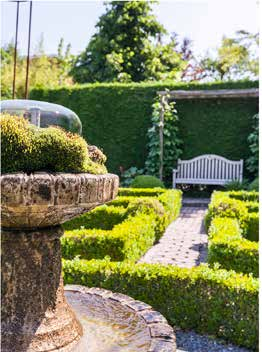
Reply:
x=116, y=117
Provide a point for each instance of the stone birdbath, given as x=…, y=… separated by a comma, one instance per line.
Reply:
x=35, y=313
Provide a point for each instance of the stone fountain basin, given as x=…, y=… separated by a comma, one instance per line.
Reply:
x=114, y=322
x=44, y=199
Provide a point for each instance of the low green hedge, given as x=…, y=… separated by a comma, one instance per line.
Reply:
x=171, y=199
x=141, y=192
x=104, y=218
x=252, y=226
x=128, y=240
x=124, y=230
x=228, y=204
x=244, y=195
x=228, y=248
x=217, y=302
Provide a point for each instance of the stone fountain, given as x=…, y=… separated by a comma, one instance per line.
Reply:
x=35, y=314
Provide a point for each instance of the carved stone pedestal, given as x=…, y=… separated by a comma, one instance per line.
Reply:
x=35, y=315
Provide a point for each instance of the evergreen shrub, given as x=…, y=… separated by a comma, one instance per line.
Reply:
x=146, y=181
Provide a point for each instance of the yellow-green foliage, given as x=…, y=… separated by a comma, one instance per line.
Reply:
x=216, y=302
x=127, y=240
x=140, y=192
x=103, y=217
x=28, y=148
x=242, y=206
x=146, y=181
x=121, y=232
x=227, y=247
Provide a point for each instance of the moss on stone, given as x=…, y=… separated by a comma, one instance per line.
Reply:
x=28, y=148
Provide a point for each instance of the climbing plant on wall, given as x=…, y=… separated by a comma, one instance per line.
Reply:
x=165, y=118
x=253, y=140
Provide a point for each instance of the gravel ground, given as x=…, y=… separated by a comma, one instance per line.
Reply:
x=189, y=341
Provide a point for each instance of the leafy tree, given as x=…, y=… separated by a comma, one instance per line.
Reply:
x=236, y=58
x=64, y=61
x=127, y=47
x=47, y=71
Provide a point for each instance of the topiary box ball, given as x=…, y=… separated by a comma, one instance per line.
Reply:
x=50, y=114
x=146, y=181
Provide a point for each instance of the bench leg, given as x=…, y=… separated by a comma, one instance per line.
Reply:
x=174, y=180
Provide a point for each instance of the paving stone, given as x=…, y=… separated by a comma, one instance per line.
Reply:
x=184, y=243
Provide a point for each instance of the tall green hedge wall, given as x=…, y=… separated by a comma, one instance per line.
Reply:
x=116, y=117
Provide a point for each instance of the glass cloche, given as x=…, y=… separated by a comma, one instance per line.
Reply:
x=43, y=114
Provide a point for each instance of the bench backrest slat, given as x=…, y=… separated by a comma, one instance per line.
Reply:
x=210, y=167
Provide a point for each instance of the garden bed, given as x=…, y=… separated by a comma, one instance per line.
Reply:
x=220, y=299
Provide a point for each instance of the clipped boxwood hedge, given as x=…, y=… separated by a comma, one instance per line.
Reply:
x=228, y=204
x=121, y=233
x=227, y=247
x=103, y=218
x=123, y=112
x=141, y=192
x=252, y=196
x=216, y=302
x=128, y=240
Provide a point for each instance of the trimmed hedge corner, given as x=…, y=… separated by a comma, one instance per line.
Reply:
x=236, y=205
x=128, y=240
x=217, y=302
x=228, y=248
x=103, y=218
x=124, y=230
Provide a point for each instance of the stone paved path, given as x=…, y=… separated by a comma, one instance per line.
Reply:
x=184, y=243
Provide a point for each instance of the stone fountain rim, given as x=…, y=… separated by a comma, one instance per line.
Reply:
x=46, y=172
x=42, y=199
x=162, y=336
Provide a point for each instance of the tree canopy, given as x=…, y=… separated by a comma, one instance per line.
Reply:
x=128, y=47
x=45, y=71
x=236, y=58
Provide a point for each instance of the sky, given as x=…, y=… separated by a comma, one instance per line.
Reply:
x=203, y=21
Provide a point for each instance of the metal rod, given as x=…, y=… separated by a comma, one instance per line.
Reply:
x=15, y=52
x=28, y=51
x=161, y=138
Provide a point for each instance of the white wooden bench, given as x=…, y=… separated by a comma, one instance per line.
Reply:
x=208, y=169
